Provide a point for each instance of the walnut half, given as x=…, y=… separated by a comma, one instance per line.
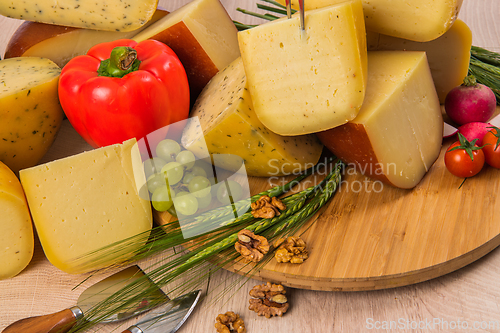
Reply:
x=251, y=246
x=292, y=249
x=267, y=207
x=269, y=301
x=230, y=322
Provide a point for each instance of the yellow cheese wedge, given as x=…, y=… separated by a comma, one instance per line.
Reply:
x=60, y=43
x=448, y=55
x=305, y=82
x=398, y=133
x=110, y=15
x=418, y=20
x=30, y=112
x=229, y=126
x=16, y=231
x=84, y=202
x=202, y=35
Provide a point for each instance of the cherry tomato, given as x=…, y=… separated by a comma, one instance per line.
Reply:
x=491, y=149
x=458, y=158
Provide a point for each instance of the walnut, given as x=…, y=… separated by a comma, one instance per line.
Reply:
x=267, y=207
x=269, y=301
x=251, y=246
x=292, y=250
x=230, y=322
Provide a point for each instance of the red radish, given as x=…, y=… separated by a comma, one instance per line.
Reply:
x=470, y=102
x=449, y=131
x=475, y=130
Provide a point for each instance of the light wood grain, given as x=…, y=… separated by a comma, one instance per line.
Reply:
x=468, y=295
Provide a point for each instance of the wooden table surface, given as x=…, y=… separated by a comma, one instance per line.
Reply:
x=465, y=300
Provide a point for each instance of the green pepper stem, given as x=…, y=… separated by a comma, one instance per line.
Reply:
x=122, y=61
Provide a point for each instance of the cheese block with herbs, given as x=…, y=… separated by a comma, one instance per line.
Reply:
x=448, y=55
x=87, y=201
x=228, y=125
x=30, y=112
x=61, y=43
x=397, y=135
x=418, y=20
x=109, y=15
x=16, y=231
x=303, y=82
x=202, y=35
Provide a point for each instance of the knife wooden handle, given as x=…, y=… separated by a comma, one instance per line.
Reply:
x=59, y=322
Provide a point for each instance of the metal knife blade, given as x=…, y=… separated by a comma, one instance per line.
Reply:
x=169, y=317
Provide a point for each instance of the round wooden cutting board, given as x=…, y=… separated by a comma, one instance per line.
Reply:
x=373, y=236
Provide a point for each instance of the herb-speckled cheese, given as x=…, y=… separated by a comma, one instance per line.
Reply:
x=229, y=126
x=87, y=201
x=30, y=110
x=110, y=15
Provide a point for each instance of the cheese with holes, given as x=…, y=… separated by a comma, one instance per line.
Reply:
x=110, y=15
x=61, y=43
x=229, y=126
x=202, y=35
x=448, y=55
x=418, y=20
x=397, y=135
x=305, y=82
x=30, y=112
x=16, y=231
x=85, y=202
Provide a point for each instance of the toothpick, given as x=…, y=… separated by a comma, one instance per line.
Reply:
x=302, y=24
x=289, y=8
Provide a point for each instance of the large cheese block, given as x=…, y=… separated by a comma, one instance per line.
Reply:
x=418, y=20
x=305, y=82
x=30, y=112
x=87, y=201
x=398, y=133
x=110, y=15
x=61, y=43
x=16, y=231
x=448, y=55
x=202, y=35
x=227, y=125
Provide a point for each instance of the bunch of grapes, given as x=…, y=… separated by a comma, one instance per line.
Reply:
x=179, y=183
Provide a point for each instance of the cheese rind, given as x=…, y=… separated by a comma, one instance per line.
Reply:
x=85, y=202
x=230, y=126
x=110, y=15
x=30, y=110
x=305, y=82
x=448, y=55
x=16, y=231
x=202, y=35
x=397, y=135
x=61, y=43
x=417, y=20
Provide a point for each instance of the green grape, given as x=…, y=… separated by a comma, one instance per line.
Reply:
x=186, y=204
x=155, y=181
x=188, y=176
x=234, y=188
x=181, y=193
x=199, y=186
x=205, y=201
x=199, y=171
x=186, y=158
x=173, y=171
x=167, y=150
x=153, y=165
x=162, y=198
x=172, y=211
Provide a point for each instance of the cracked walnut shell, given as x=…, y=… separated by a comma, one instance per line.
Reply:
x=267, y=207
x=251, y=246
x=230, y=322
x=292, y=250
x=269, y=301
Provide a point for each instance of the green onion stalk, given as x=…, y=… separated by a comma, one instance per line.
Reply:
x=216, y=247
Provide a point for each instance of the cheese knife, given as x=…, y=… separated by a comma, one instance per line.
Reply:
x=62, y=321
x=167, y=318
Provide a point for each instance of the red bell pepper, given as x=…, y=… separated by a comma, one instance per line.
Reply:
x=123, y=89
